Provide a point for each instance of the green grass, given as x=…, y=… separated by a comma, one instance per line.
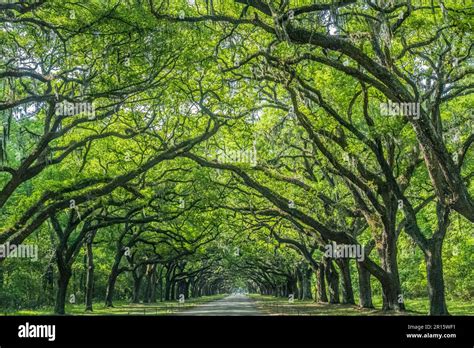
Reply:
x=122, y=308
x=280, y=306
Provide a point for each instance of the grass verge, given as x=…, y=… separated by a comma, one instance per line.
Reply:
x=122, y=308
x=271, y=305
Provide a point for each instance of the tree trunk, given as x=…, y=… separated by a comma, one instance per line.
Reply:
x=292, y=287
x=434, y=270
x=48, y=284
x=299, y=284
x=137, y=274
x=114, y=273
x=307, y=273
x=186, y=289
x=321, y=284
x=153, y=287
x=148, y=295
x=160, y=288
x=173, y=290
x=365, y=289
x=391, y=291
x=137, y=282
x=434, y=264
x=333, y=281
x=167, y=288
x=90, y=271
x=63, y=281
x=347, y=291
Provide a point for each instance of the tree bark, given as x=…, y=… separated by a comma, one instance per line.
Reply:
x=365, y=289
x=434, y=270
x=114, y=273
x=391, y=290
x=347, y=291
x=333, y=281
x=307, y=273
x=63, y=281
x=137, y=274
x=137, y=282
x=148, y=295
x=90, y=271
x=321, y=284
x=167, y=285
x=434, y=264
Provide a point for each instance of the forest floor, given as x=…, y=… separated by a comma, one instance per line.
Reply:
x=280, y=306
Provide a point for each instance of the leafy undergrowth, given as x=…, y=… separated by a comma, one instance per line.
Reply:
x=124, y=308
x=280, y=306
